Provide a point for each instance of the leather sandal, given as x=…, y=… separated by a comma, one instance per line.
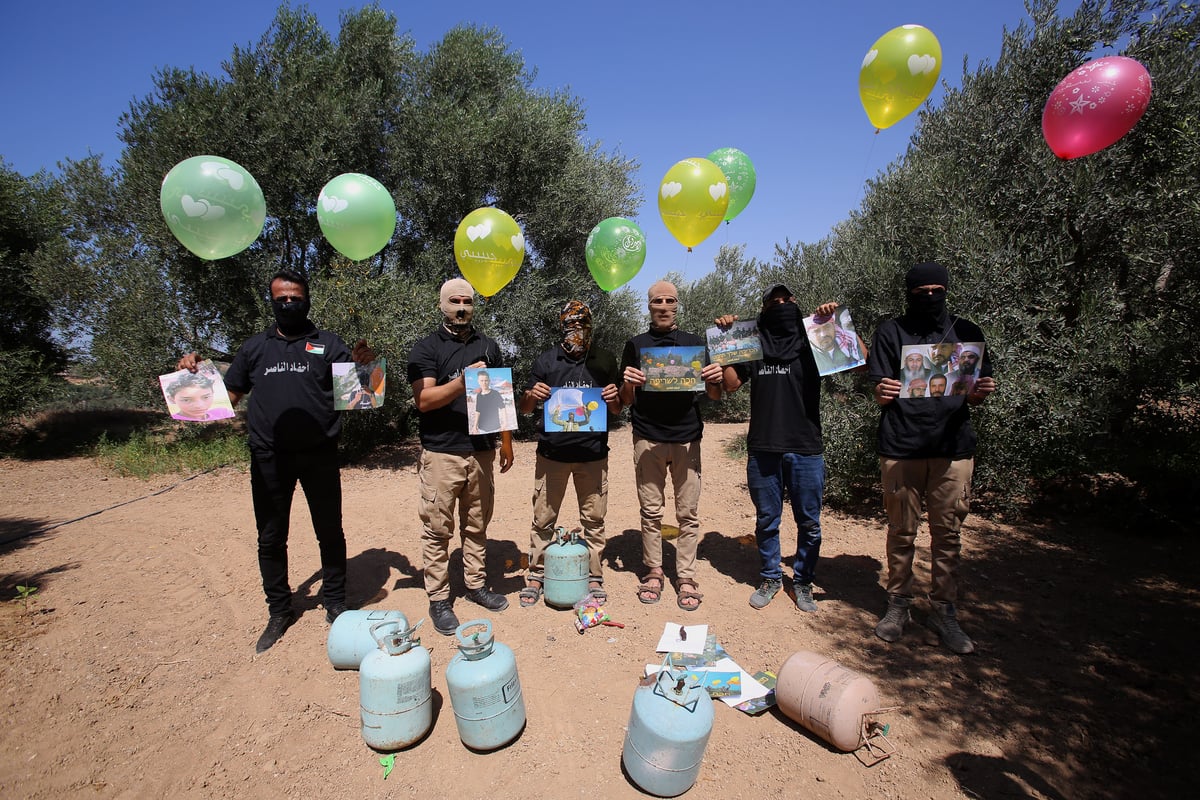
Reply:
x=651, y=585
x=597, y=592
x=530, y=595
x=688, y=594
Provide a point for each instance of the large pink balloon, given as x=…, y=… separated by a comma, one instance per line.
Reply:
x=1095, y=105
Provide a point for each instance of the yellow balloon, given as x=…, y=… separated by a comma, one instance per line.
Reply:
x=692, y=200
x=489, y=248
x=898, y=73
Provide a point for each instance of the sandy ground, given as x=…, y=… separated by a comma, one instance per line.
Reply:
x=132, y=672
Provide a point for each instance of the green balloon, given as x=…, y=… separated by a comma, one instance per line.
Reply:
x=739, y=171
x=214, y=207
x=615, y=252
x=357, y=215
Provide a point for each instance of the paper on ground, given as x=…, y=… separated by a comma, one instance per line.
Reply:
x=693, y=644
x=750, y=687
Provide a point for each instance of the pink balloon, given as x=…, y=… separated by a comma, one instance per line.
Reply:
x=1094, y=106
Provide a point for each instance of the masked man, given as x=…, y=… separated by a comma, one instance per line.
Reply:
x=293, y=433
x=456, y=468
x=926, y=453
x=784, y=449
x=570, y=454
x=666, y=441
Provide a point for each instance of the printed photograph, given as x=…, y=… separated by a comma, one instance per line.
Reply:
x=739, y=343
x=198, y=396
x=359, y=387
x=834, y=342
x=490, y=405
x=570, y=410
x=673, y=369
x=945, y=369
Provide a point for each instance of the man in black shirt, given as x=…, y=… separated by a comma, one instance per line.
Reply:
x=785, y=452
x=666, y=441
x=926, y=451
x=489, y=405
x=570, y=454
x=455, y=466
x=293, y=431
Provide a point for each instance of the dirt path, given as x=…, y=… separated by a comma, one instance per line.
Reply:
x=133, y=672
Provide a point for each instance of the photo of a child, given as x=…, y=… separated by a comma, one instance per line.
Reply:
x=196, y=396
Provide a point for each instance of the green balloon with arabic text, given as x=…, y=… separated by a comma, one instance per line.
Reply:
x=615, y=252
x=739, y=171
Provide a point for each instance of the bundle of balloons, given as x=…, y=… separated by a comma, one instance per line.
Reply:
x=694, y=197
x=215, y=208
x=1089, y=110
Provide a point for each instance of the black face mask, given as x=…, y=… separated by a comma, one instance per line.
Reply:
x=291, y=316
x=779, y=327
x=928, y=305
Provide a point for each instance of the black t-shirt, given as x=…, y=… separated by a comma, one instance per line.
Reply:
x=923, y=427
x=488, y=407
x=442, y=357
x=664, y=416
x=555, y=368
x=290, y=383
x=785, y=411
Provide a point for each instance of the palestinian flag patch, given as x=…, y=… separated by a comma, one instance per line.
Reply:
x=315, y=349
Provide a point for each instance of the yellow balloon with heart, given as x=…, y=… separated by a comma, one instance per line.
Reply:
x=489, y=248
x=898, y=73
x=692, y=199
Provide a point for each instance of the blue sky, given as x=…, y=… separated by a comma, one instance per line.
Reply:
x=661, y=82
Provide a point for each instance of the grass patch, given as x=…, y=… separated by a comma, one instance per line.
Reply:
x=170, y=450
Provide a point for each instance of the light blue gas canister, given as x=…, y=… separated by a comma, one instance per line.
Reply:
x=485, y=691
x=395, y=687
x=566, y=569
x=350, y=637
x=668, y=730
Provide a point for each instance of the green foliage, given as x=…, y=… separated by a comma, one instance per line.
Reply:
x=1079, y=272
x=29, y=356
x=25, y=594
x=183, y=448
x=447, y=131
x=26, y=380
x=1073, y=269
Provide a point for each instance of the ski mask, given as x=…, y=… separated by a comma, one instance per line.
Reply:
x=925, y=306
x=575, y=325
x=291, y=316
x=779, y=328
x=663, y=299
x=457, y=315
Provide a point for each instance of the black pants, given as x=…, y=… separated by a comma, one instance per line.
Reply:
x=273, y=479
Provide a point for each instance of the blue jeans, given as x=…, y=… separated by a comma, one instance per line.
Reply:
x=768, y=476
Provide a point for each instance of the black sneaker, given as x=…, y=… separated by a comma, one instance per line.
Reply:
x=276, y=625
x=489, y=600
x=442, y=614
x=333, y=611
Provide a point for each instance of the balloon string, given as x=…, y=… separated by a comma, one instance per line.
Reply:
x=862, y=179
